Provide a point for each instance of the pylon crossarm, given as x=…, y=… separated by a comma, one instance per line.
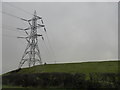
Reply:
x=24, y=29
x=23, y=19
x=44, y=29
x=40, y=25
x=38, y=17
x=38, y=35
x=42, y=21
x=22, y=37
x=29, y=23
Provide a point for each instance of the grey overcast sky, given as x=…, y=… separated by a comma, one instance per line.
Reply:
x=78, y=32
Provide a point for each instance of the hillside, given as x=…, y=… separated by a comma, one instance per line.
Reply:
x=71, y=75
x=85, y=67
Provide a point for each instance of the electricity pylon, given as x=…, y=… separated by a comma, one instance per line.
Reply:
x=32, y=52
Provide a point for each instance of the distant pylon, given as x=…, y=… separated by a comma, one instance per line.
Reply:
x=32, y=52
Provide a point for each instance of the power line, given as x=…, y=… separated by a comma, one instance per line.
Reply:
x=5, y=25
x=48, y=40
x=6, y=28
x=19, y=8
x=9, y=29
x=13, y=15
x=50, y=45
x=46, y=51
x=10, y=36
x=46, y=47
x=10, y=14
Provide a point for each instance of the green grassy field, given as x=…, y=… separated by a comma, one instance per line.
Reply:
x=85, y=67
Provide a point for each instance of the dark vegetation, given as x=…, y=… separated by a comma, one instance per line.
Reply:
x=63, y=80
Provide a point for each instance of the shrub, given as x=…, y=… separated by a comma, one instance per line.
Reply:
x=63, y=80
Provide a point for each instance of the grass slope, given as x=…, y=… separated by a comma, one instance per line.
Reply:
x=85, y=67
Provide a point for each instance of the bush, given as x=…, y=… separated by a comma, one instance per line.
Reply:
x=104, y=80
x=63, y=80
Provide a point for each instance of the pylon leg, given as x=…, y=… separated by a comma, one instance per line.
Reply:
x=25, y=53
x=21, y=63
x=38, y=53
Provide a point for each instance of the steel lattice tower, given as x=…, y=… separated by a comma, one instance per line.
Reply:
x=32, y=52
